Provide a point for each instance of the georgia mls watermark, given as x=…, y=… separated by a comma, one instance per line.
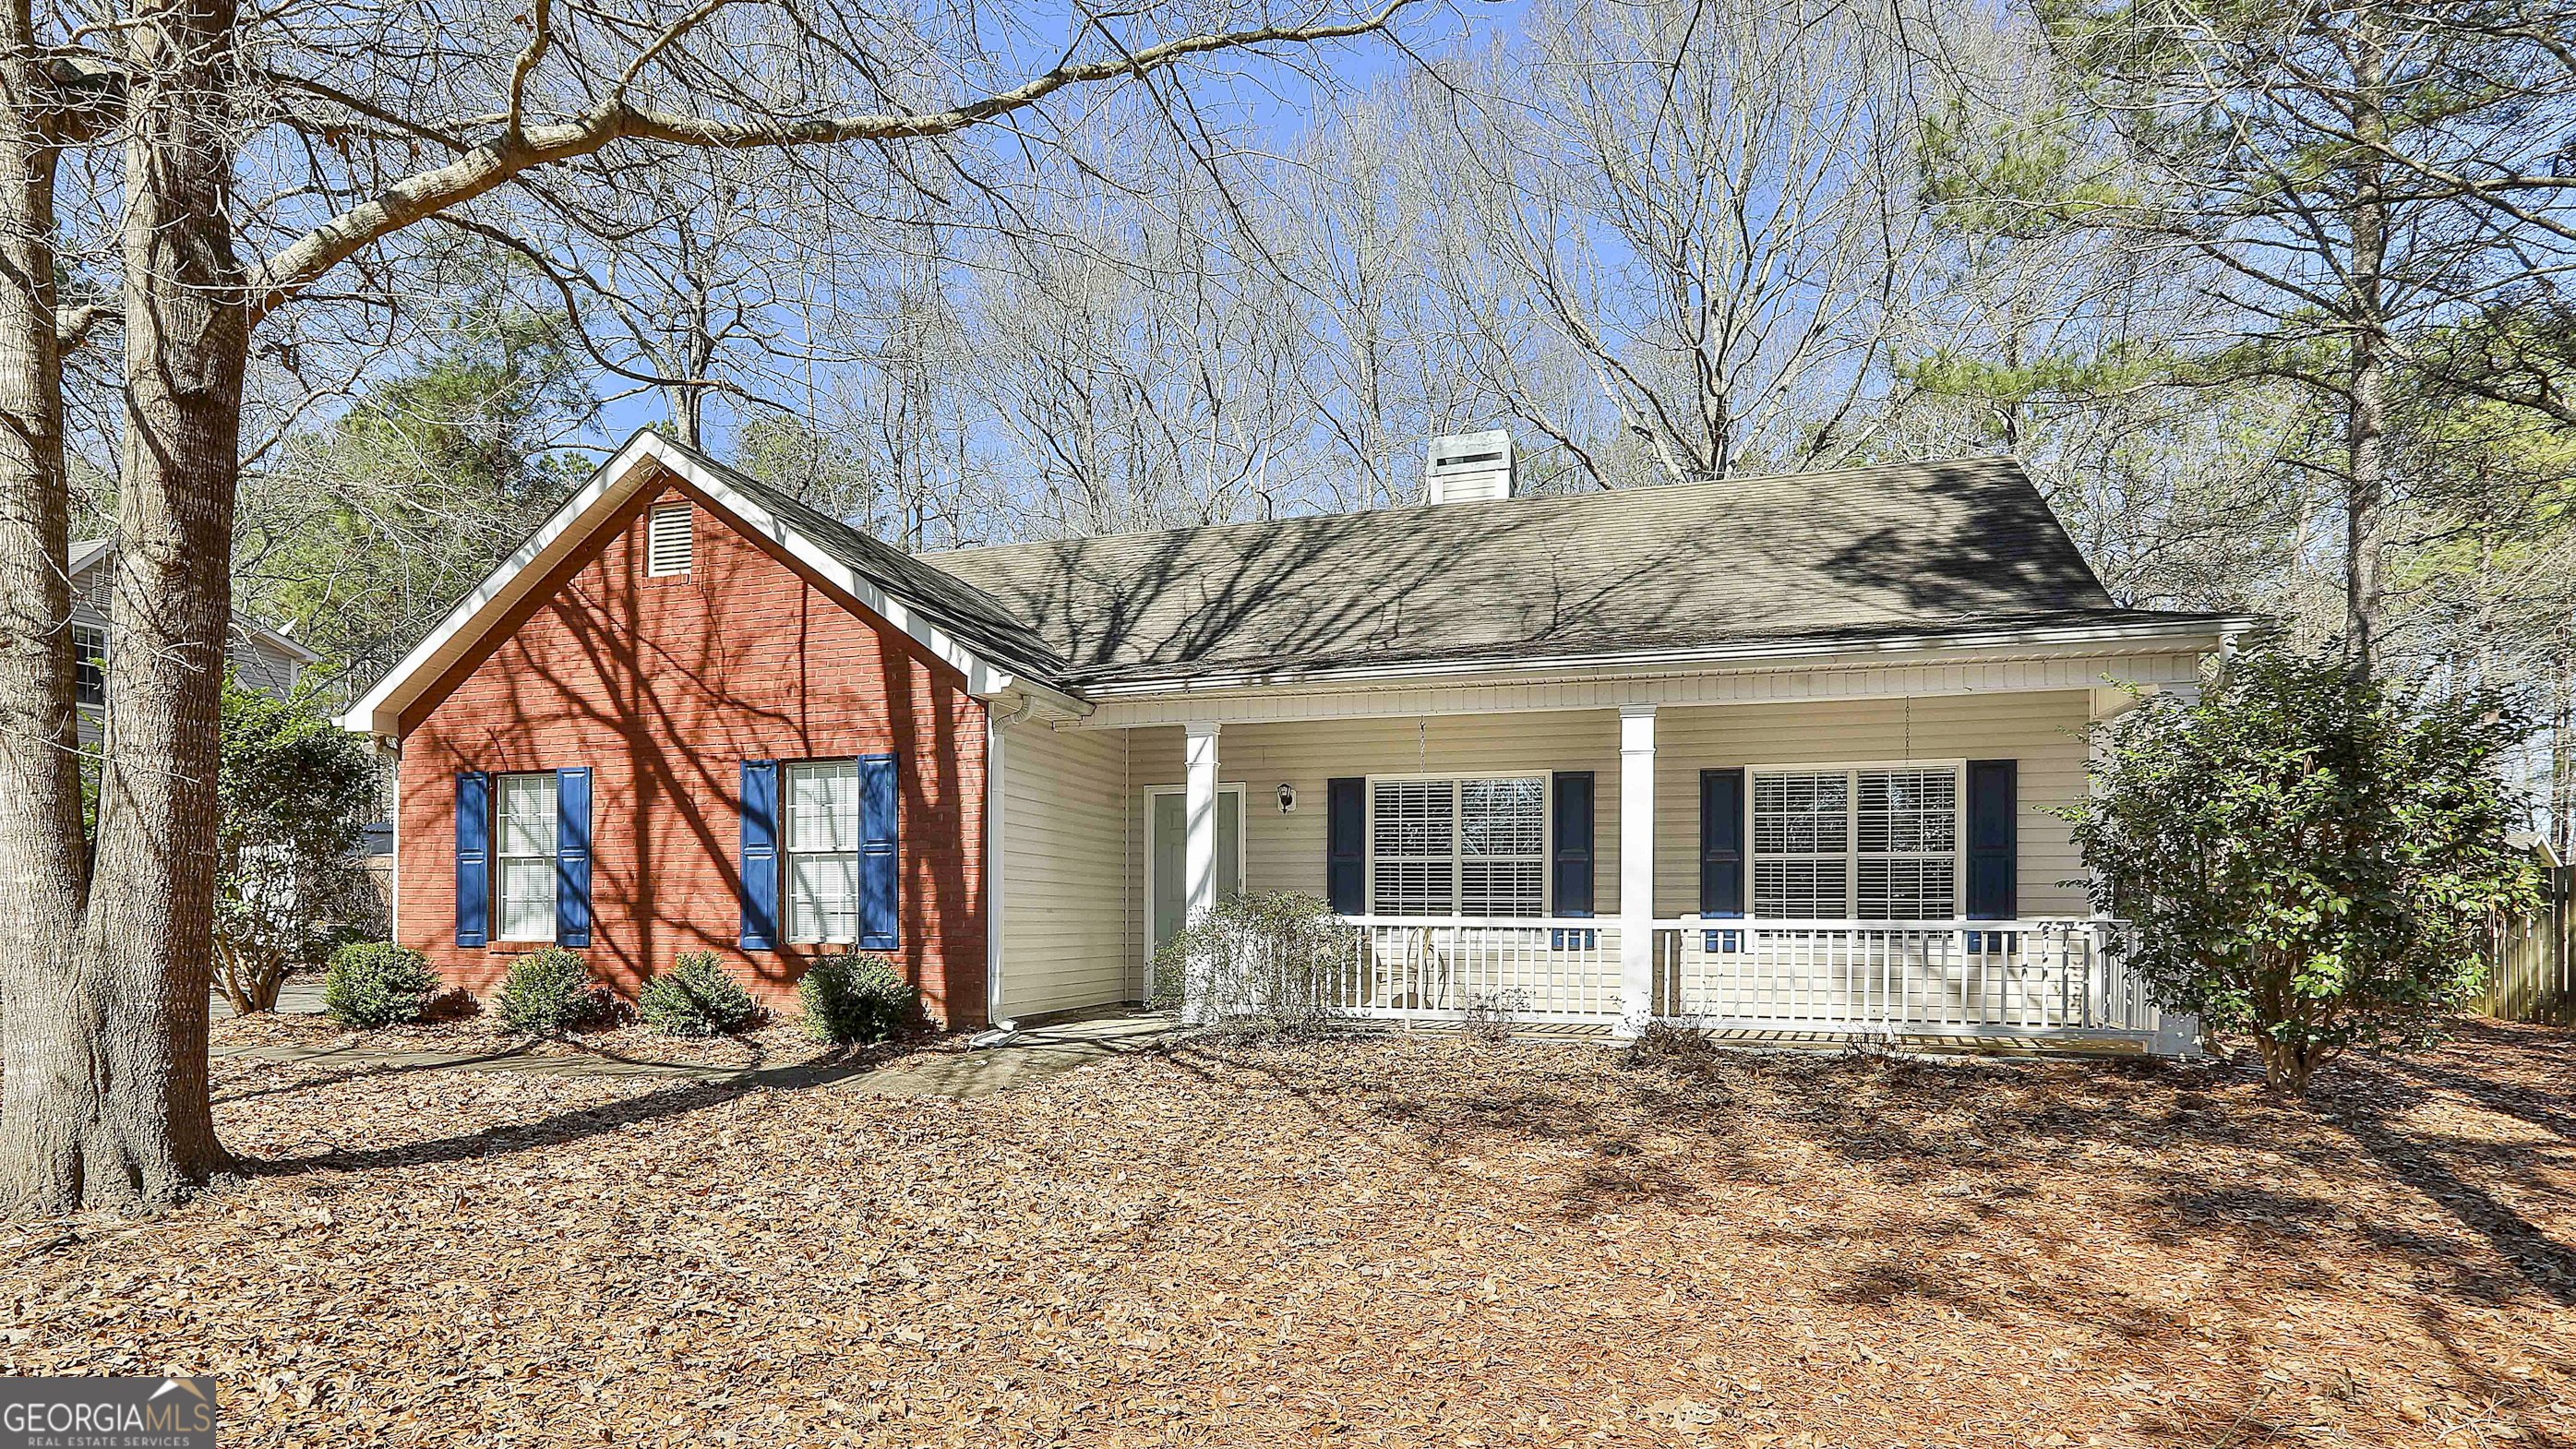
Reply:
x=107, y=1414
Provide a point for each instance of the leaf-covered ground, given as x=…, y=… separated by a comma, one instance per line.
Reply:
x=1387, y=1241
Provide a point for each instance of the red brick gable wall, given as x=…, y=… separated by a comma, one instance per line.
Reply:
x=663, y=686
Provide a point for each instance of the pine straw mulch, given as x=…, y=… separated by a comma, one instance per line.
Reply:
x=1384, y=1241
x=776, y=1040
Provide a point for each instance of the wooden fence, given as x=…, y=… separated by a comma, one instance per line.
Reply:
x=2532, y=975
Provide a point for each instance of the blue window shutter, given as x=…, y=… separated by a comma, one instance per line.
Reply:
x=1721, y=842
x=1721, y=853
x=1346, y=846
x=1570, y=852
x=572, y=857
x=880, y=856
x=473, y=858
x=760, y=855
x=1570, y=856
x=1994, y=860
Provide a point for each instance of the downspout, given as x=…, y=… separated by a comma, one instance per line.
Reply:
x=997, y=1030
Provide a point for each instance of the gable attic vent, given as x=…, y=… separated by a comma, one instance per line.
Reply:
x=1469, y=467
x=668, y=541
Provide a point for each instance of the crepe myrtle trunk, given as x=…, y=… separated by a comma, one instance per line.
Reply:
x=45, y=997
x=106, y=1091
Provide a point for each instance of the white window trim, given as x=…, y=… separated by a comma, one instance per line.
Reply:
x=653, y=517
x=1242, y=838
x=787, y=854
x=78, y=657
x=1852, y=852
x=1458, y=837
x=501, y=856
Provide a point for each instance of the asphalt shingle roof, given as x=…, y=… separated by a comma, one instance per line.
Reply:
x=1865, y=552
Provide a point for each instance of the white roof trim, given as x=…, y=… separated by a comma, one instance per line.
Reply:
x=2195, y=635
x=284, y=642
x=379, y=711
x=85, y=554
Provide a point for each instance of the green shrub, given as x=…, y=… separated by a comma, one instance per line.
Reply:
x=856, y=997
x=377, y=983
x=695, y=998
x=2308, y=857
x=550, y=991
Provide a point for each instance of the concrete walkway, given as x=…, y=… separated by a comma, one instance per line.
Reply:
x=298, y=995
x=1026, y=1058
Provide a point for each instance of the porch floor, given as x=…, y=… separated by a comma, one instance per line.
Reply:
x=1816, y=1041
x=1128, y=1027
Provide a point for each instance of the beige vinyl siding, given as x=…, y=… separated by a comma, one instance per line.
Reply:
x=2044, y=731
x=1064, y=845
x=1286, y=852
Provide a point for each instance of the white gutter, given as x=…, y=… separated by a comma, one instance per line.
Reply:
x=2225, y=630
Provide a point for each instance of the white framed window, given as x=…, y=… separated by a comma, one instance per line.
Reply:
x=89, y=665
x=821, y=852
x=524, y=812
x=1857, y=842
x=670, y=539
x=1475, y=846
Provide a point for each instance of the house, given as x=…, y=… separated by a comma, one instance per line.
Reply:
x=260, y=656
x=1775, y=753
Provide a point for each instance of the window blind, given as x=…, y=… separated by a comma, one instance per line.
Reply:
x=527, y=820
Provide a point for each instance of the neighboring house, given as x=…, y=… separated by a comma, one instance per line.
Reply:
x=1774, y=753
x=260, y=656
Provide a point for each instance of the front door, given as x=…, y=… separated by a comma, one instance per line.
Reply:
x=1166, y=839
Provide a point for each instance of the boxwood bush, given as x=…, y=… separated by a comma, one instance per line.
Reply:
x=696, y=997
x=550, y=991
x=377, y=983
x=856, y=997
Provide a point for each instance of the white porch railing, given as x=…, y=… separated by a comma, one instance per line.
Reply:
x=1436, y=967
x=1952, y=978
x=1850, y=977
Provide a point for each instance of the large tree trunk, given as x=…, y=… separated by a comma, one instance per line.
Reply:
x=47, y=1000
x=146, y=1129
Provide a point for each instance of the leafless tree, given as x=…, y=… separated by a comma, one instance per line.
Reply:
x=1710, y=204
x=1140, y=363
x=272, y=163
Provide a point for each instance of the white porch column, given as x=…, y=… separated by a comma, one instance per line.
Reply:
x=1636, y=867
x=1198, y=854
